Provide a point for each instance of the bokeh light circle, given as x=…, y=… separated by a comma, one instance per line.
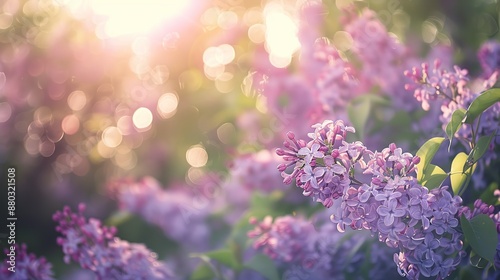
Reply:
x=142, y=118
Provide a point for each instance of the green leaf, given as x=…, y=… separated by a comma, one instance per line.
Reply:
x=482, y=146
x=359, y=109
x=354, y=249
x=488, y=195
x=481, y=103
x=202, y=272
x=225, y=257
x=457, y=173
x=433, y=176
x=454, y=125
x=264, y=265
x=239, y=231
x=118, y=218
x=480, y=232
x=477, y=261
x=467, y=273
x=426, y=154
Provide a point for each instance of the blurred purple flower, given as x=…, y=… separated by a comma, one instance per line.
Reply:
x=180, y=214
x=26, y=265
x=96, y=248
x=287, y=239
x=489, y=57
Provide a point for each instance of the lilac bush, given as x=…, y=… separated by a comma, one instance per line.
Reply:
x=285, y=239
x=318, y=252
x=386, y=199
x=96, y=248
x=489, y=57
x=394, y=115
x=451, y=90
x=27, y=265
x=168, y=209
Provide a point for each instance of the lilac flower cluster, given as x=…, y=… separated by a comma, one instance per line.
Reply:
x=27, y=266
x=489, y=57
x=256, y=172
x=327, y=78
x=179, y=214
x=385, y=199
x=96, y=248
x=337, y=81
x=285, y=239
x=378, y=50
x=324, y=182
x=452, y=90
x=248, y=174
x=293, y=243
x=318, y=87
x=431, y=84
x=341, y=256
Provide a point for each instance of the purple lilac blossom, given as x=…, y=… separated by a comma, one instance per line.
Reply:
x=336, y=82
x=387, y=200
x=181, y=215
x=320, y=79
x=451, y=90
x=95, y=247
x=248, y=174
x=343, y=258
x=319, y=254
x=326, y=79
x=381, y=60
x=285, y=239
x=256, y=172
x=27, y=266
x=379, y=51
x=489, y=57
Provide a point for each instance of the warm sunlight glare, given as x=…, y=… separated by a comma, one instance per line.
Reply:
x=281, y=36
x=127, y=17
x=136, y=16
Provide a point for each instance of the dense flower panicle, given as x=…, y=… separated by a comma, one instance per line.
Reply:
x=452, y=90
x=96, y=248
x=257, y=172
x=292, y=94
x=296, y=245
x=342, y=257
x=321, y=166
x=489, y=57
x=179, y=214
x=385, y=198
x=318, y=88
x=336, y=82
x=27, y=266
x=375, y=47
x=310, y=20
x=431, y=84
x=250, y=174
x=325, y=79
x=286, y=239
